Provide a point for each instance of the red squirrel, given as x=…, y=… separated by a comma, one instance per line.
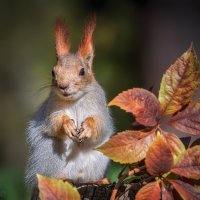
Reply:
x=73, y=120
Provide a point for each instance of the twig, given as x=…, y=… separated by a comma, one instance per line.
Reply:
x=122, y=177
x=121, y=172
x=136, y=170
x=116, y=188
x=137, y=185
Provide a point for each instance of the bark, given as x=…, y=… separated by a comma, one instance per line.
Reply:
x=99, y=192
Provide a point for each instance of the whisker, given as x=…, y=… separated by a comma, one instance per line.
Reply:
x=42, y=88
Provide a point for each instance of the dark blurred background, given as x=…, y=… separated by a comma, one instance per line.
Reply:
x=135, y=43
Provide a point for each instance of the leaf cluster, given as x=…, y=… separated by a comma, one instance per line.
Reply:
x=169, y=165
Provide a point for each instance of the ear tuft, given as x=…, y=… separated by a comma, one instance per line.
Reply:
x=86, y=48
x=62, y=37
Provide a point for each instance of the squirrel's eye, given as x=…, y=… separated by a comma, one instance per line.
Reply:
x=82, y=72
x=53, y=73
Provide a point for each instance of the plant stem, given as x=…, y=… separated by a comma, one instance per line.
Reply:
x=137, y=185
x=122, y=177
x=116, y=188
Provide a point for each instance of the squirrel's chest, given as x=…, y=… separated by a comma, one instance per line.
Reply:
x=77, y=113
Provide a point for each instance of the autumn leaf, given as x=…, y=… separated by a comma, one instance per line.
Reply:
x=177, y=148
x=166, y=194
x=189, y=164
x=196, y=142
x=55, y=189
x=186, y=191
x=179, y=83
x=188, y=120
x=128, y=146
x=159, y=157
x=149, y=192
x=141, y=103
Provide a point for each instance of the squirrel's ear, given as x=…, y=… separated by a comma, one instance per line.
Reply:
x=61, y=37
x=86, y=48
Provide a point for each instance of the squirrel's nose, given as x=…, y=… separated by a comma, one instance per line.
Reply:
x=63, y=87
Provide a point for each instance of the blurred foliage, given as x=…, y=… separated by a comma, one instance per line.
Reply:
x=12, y=184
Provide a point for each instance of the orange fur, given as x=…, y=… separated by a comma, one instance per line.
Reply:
x=62, y=37
x=90, y=128
x=58, y=127
x=86, y=45
x=69, y=128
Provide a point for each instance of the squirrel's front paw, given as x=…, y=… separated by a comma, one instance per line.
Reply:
x=87, y=130
x=70, y=128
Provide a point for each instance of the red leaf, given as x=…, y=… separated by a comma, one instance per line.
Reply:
x=159, y=157
x=127, y=146
x=179, y=83
x=166, y=194
x=176, y=146
x=55, y=189
x=151, y=191
x=189, y=165
x=188, y=120
x=141, y=103
x=186, y=191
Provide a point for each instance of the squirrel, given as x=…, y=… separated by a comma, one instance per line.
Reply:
x=73, y=120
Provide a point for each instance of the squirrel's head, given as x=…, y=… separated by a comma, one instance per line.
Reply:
x=72, y=75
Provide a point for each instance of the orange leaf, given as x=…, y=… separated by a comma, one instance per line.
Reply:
x=149, y=192
x=189, y=165
x=176, y=146
x=186, y=191
x=166, y=194
x=127, y=146
x=179, y=83
x=141, y=103
x=55, y=189
x=159, y=157
x=188, y=120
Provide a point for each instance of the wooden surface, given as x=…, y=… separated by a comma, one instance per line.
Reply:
x=98, y=192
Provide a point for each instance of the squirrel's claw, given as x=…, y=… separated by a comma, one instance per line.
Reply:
x=84, y=133
x=70, y=129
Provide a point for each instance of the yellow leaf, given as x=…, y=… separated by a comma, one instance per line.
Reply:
x=189, y=164
x=55, y=189
x=179, y=83
x=176, y=146
x=127, y=146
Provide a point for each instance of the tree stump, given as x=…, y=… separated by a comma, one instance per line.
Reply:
x=99, y=192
